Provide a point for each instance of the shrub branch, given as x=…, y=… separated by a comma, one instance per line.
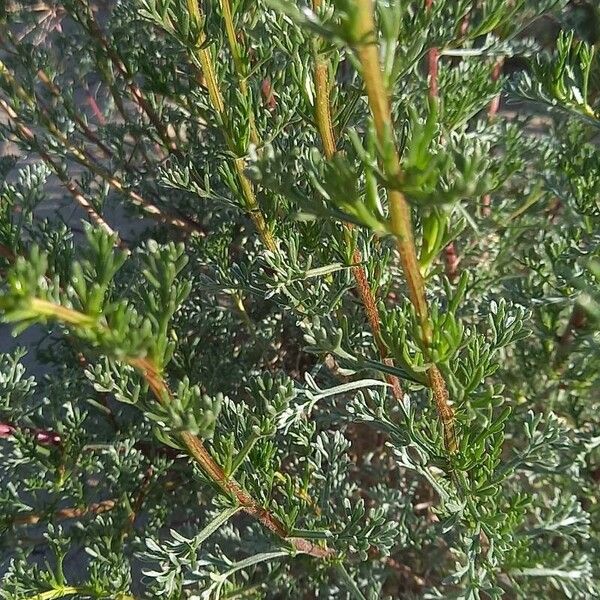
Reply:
x=194, y=445
x=400, y=217
x=326, y=131
x=203, y=59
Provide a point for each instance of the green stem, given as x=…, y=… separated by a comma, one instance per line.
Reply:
x=326, y=132
x=58, y=593
x=241, y=456
x=531, y=199
x=350, y=583
x=233, y=43
x=586, y=81
x=400, y=215
x=70, y=590
x=203, y=58
x=239, y=303
x=240, y=68
x=254, y=560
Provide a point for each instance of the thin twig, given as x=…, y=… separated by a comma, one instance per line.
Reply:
x=88, y=161
x=96, y=508
x=27, y=135
x=194, y=445
x=202, y=58
x=577, y=321
x=400, y=216
x=83, y=126
x=94, y=30
x=493, y=107
x=326, y=131
x=451, y=258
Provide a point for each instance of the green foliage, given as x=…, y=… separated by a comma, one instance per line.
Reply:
x=564, y=80
x=210, y=406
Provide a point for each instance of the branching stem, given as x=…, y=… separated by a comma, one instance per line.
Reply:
x=193, y=444
x=95, y=32
x=82, y=158
x=27, y=135
x=204, y=59
x=327, y=134
x=400, y=217
x=198, y=451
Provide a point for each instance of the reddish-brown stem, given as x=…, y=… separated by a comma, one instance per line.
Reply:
x=495, y=103
x=327, y=134
x=266, y=89
x=83, y=126
x=91, y=101
x=374, y=319
x=433, y=56
x=44, y=437
x=443, y=407
x=400, y=214
x=577, y=320
x=486, y=202
x=6, y=252
x=451, y=259
x=94, y=30
x=464, y=26
x=27, y=135
x=56, y=92
x=96, y=508
x=199, y=452
x=87, y=161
